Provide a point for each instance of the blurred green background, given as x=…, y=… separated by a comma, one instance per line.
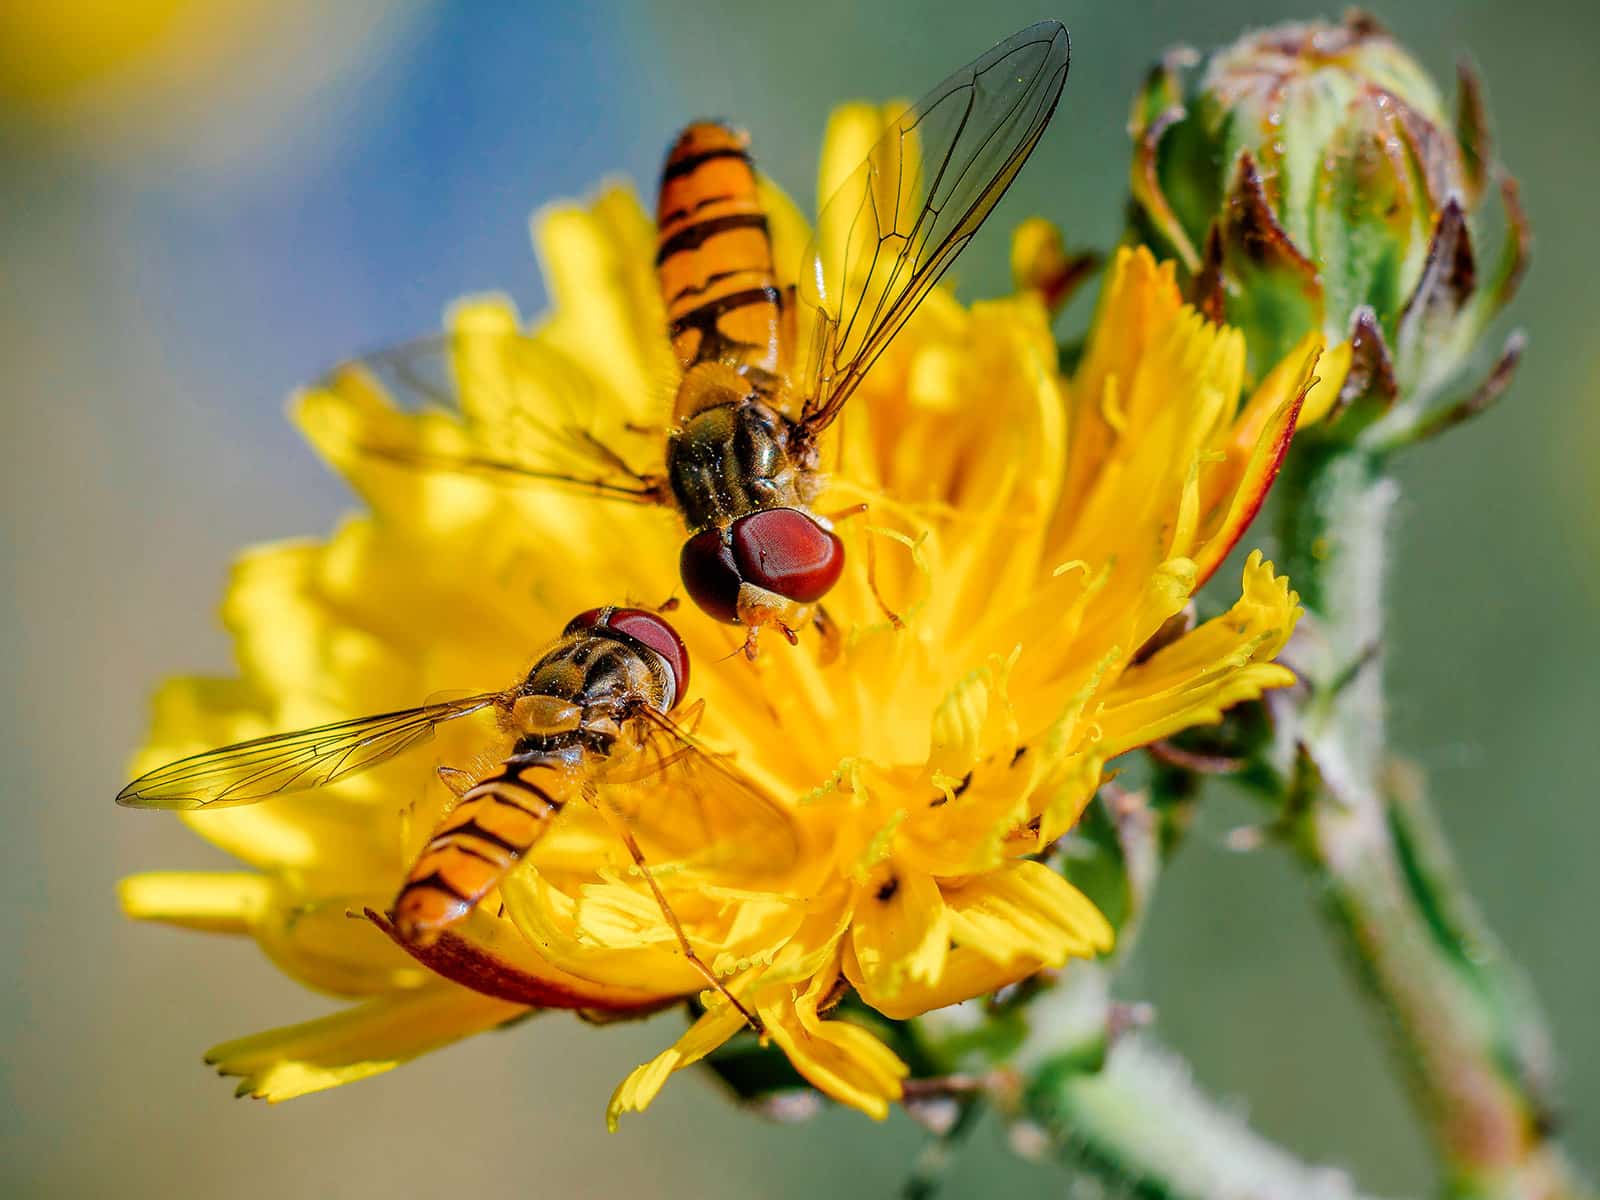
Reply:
x=204, y=204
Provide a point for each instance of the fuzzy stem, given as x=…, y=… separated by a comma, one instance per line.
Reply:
x=1462, y=1017
x=1141, y=1126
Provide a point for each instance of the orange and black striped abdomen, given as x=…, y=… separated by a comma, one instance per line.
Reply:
x=497, y=821
x=714, y=253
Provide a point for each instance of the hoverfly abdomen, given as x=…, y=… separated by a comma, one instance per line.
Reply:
x=496, y=822
x=714, y=253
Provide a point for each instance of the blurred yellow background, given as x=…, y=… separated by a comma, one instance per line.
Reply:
x=205, y=204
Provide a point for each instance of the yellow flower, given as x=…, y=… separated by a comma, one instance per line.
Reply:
x=1034, y=533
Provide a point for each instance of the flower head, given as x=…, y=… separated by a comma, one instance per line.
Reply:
x=1032, y=533
x=1312, y=177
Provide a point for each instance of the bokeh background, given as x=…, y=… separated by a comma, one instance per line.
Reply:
x=202, y=204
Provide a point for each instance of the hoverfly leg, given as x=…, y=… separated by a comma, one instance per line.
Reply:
x=458, y=781
x=872, y=583
x=832, y=639
x=751, y=634
x=844, y=514
x=856, y=510
x=673, y=923
x=670, y=604
x=688, y=719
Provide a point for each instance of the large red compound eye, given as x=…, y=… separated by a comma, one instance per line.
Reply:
x=786, y=551
x=648, y=630
x=584, y=622
x=710, y=575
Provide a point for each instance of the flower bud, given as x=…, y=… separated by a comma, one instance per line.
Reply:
x=1314, y=180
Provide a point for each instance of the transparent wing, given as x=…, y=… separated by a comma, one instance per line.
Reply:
x=292, y=762
x=526, y=412
x=691, y=809
x=890, y=232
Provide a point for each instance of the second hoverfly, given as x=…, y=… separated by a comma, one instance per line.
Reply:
x=588, y=723
x=739, y=456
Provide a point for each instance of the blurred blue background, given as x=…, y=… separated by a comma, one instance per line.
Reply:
x=203, y=205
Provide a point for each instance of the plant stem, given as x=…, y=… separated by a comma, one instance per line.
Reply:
x=1463, y=1020
x=1141, y=1126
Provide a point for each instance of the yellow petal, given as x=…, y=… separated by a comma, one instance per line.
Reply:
x=606, y=309
x=852, y=131
x=1332, y=369
x=214, y=901
x=966, y=975
x=1139, y=300
x=839, y=1058
x=1236, y=485
x=901, y=930
x=311, y=938
x=553, y=920
x=320, y=940
x=349, y=413
x=356, y=1042
x=1223, y=662
x=790, y=233
x=1026, y=911
x=972, y=721
x=643, y=1083
x=1066, y=792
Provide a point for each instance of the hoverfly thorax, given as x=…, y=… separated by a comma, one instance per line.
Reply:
x=731, y=459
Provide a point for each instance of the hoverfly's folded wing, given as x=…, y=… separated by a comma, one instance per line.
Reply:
x=246, y=772
x=694, y=813
x=484, y=400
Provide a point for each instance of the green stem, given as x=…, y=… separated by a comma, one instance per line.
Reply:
x=1141, y=1126
x=1462, y=1017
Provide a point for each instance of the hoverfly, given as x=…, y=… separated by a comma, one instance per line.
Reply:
x=740, y=460
x=590, y=717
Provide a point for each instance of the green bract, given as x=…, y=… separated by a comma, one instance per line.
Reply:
x=1314, y=179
